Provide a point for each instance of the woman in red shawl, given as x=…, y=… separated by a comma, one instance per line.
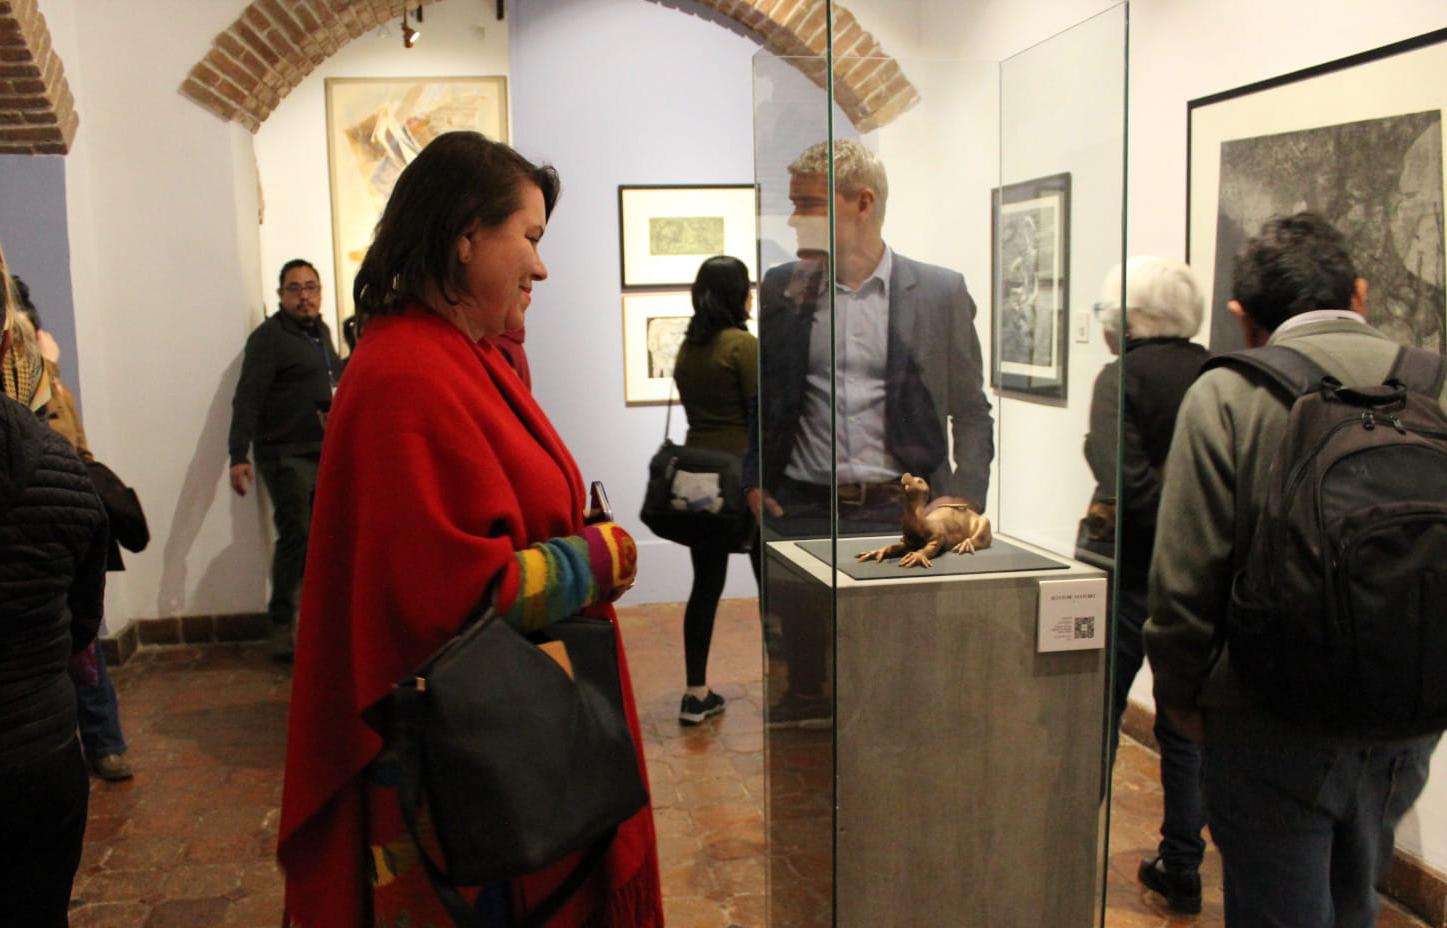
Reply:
x=439, y=475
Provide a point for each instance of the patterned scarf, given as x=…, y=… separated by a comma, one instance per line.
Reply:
x=21, y=368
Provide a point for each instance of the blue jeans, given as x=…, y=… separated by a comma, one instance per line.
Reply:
x=1306, y=830
x=99, y=715
x=1182, y=846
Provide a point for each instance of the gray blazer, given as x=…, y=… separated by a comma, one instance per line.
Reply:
x=933, y=376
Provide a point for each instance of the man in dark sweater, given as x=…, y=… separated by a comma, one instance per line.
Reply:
x=287, y=377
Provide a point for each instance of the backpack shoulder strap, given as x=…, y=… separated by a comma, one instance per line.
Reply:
x=1419, y=370
x=1293, y=373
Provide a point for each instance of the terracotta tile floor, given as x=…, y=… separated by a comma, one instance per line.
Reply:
x=189, y=841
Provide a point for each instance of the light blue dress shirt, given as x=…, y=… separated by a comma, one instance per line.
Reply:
x=861, y=347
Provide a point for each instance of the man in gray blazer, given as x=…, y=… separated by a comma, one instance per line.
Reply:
x=906, y=365
x=902, y=376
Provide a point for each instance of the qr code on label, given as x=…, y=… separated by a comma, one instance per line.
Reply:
x=1085, y=626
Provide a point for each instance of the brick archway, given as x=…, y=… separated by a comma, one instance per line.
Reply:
x=274, y=44
x=37, y=111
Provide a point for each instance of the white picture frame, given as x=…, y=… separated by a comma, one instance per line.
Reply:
x=653, y=325
x=666, y=231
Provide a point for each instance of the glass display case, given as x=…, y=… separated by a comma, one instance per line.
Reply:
x=933, y=235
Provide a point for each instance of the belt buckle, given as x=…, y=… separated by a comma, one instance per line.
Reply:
x=851, y=494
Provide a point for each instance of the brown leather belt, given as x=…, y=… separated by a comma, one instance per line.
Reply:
x=862, y=494
x=850, y=494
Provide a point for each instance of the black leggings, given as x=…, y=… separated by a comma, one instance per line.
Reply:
x=710, y=569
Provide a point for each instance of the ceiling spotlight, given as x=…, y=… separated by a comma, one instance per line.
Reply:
x=409, y=35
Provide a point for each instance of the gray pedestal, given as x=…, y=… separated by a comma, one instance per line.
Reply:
x=967, y=767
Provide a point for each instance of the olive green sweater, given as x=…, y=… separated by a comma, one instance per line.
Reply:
x=716, y=383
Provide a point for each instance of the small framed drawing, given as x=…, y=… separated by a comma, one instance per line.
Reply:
x=375, y=127
x=653, y=325
x=665, y=232
x=1030, y=275
x=1359, y=141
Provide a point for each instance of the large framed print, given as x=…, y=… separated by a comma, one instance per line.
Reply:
x=1030, y=276
x=1358, y=140
x=653, y=325
x=666, y=232
x=375, y=127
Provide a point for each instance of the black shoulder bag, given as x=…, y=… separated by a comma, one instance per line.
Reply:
x=696, y=494
x=522, y=759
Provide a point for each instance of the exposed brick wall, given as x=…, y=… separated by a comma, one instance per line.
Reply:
x=868, y=85
x=273, y=44
x=37, y=111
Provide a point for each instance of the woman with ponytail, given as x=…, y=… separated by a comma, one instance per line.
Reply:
x=717, y=372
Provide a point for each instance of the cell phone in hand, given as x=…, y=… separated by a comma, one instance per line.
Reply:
x=598, y=508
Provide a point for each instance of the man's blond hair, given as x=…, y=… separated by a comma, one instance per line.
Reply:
x=855, y=167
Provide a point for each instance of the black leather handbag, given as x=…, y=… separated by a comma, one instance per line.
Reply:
x=696, y=494
x=521, y=759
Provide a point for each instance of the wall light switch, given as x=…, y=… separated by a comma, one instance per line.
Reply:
x=1080, y=325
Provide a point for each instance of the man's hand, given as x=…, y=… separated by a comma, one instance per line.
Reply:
x=757, y=498
x=1188, y=723
x=242, y=476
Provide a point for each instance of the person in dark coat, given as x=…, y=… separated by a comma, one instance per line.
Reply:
x=52, y=580
x=100, y=715
x=1163, y=310
x=287, y=376
x=717, y=372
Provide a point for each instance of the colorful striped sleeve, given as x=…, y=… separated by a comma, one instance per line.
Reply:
x=559, y=576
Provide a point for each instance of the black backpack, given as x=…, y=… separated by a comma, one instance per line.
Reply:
x=1339, y=618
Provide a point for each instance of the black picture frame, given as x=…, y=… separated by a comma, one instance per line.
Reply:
x=665, y=231
x=1349, y=139
x=1030, y=288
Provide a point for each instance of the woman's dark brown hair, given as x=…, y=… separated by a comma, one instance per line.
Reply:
x=460, y=181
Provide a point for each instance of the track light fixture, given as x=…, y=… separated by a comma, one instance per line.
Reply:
x=409, y=35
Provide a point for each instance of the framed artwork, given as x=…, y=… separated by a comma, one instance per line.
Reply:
x=1030, y=273
x=653, y=325
x=1358, y=140
x=665, y=232
x=375, y=127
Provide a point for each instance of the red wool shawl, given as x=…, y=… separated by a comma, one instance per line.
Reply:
x=437, y=466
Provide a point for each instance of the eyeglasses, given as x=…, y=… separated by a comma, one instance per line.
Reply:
x=310, y=286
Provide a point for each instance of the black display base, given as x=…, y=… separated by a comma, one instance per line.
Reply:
x=1000, y=557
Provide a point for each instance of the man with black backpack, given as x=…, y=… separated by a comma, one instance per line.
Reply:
x=1298, y=624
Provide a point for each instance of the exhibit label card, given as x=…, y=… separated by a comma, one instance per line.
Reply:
x=1072, y=615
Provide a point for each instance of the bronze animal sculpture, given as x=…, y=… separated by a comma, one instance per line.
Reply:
x=931, y=527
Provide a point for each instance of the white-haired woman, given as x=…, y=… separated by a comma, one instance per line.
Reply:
x=52, y=577
x=1163, y=309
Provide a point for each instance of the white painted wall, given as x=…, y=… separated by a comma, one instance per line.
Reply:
x=461, y=38
x=162, y=215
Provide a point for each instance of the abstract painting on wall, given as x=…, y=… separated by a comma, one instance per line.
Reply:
x=375, y=127
x=1031, y=284
x=1359, y=141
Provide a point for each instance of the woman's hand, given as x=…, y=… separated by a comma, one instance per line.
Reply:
x=613, y=557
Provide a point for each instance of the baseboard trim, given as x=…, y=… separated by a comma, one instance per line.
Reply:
x=1414, y=885
x=120, y=648
x=186, y=629
x=1418, y=888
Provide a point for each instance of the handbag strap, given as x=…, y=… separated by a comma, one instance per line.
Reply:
x=407, y=709
x=668, y=415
